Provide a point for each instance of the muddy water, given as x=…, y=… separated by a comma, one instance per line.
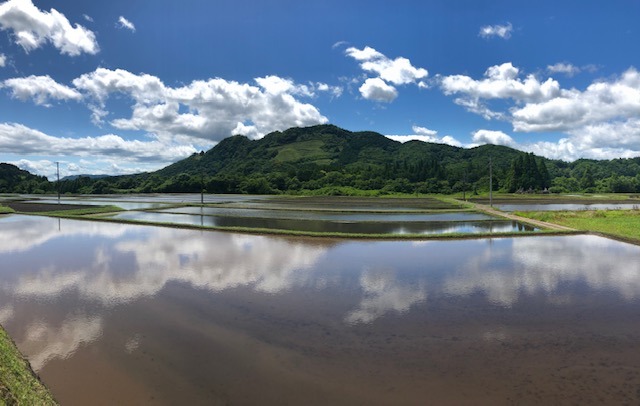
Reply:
x=123, y=314
x=428, y=226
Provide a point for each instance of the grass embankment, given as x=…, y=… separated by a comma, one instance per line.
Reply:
x=18, y=384
x=621, y=224
x=81, y=212
x=6, y=210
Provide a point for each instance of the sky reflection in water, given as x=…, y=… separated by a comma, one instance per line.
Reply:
x=61, y=279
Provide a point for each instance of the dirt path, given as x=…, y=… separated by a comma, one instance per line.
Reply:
x=498, y=213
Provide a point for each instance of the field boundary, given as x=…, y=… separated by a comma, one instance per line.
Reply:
x=538, y=223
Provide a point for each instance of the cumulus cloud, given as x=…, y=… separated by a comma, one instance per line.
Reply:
x=206, y=109
x=378, y=90
x=493, y=137
x=600, y=102
x=124, y=23
x=19, y=139
x=32, y=27
x=501, y=31
x=600, y=122
x=41, y=89
x=3, y=60
x=426, y=135
x=388, y=72
x=501, y=82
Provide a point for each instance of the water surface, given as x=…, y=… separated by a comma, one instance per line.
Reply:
x=332, y=226
x=566, y=206
x=124, y=314
x=325, y=215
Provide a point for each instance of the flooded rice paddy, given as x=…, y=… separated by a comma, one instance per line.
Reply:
x=566, y=206
x=126, y=314
x=354, y=224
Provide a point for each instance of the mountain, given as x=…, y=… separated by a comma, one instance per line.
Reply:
x=16, y=180
x=326, y=159
x=74, y=177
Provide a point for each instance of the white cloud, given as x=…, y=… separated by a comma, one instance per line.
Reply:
x=214, y=107
x=365, y=54
x=40, y=167
x=378, y=90
x=426, y=135
x=32, y=27
x=501, y=82
x=3, y=60
x=275, y=85
x=502, y=31
x=601, y=102
x=336, y=91
x=493, y=137
x=565, y=68
x=41, y=89
x=339, y=44
x=397, y=71
x=22, y=140
x=423, y=130
x=124, y=23
x=87, y=17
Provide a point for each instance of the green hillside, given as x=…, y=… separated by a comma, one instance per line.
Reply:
x=16, y=180
x=320, y=159
x=325, y=159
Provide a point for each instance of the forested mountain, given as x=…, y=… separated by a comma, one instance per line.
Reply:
x=16, y=180
x=325, y=159
x=330, y=160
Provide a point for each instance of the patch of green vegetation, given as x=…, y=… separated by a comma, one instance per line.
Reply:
x=18, y=384
x=82, y=212
x=623, y=224
x=6, y=210
x=310, y=150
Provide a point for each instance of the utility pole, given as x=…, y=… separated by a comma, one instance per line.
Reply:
x=464, y=186
x=490, y=182
x=58, y=172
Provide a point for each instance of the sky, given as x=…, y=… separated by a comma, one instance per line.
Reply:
x=116, y=87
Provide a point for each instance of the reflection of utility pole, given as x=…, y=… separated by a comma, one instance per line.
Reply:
x=490, y=183
x=58, y=172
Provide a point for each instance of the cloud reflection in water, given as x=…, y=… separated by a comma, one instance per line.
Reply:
x=113, y=264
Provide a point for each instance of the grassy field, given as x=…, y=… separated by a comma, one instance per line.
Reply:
x=5, y=210
x=623, y=224
x=18, y=383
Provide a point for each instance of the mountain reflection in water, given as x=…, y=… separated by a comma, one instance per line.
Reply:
x=128, y=291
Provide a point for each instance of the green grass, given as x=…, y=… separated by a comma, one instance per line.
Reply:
x=5, y=210
x=309, y=150
x=81, y=212
x=18, y=383
x=623, y=224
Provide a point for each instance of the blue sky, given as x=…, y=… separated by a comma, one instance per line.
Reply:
x=127, y=86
